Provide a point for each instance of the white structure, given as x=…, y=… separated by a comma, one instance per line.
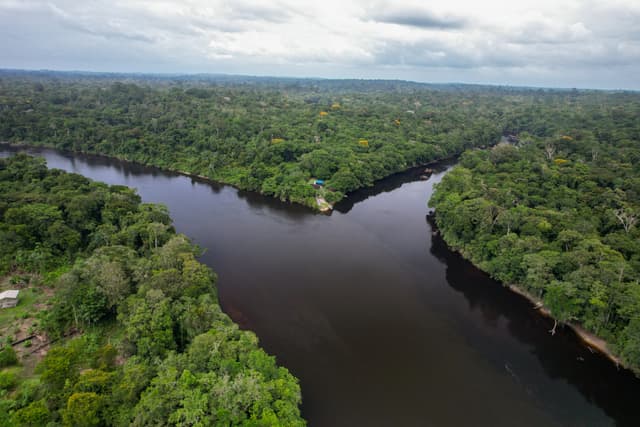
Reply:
x=9, y=299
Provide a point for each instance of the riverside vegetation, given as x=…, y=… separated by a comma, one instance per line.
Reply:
x=556, y=214
x=274, y=135
x=140, y=337
x=266, y=135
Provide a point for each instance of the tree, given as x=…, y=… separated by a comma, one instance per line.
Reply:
x=58, y=367
x=630, y=342
x=561, y=298
x=539, y=269
x=627, y=218
x=36, y=414
x=83, y=410
x=148, y=324
x=550, y=151
x=109, y=277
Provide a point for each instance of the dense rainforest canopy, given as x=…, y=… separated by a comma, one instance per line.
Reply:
x=267, y=135
x=555, y=211
x=140, y=337
x=274, y=135
x=557, y=215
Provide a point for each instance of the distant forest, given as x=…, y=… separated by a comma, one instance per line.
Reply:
x=274, y=135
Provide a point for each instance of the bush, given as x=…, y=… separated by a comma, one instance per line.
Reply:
x=26, y=393
x=36, y=414
x=8, y=380
x=8, y=357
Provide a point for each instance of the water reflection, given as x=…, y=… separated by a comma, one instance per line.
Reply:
x=389, y=184
x=562, y=356
x=382, y=323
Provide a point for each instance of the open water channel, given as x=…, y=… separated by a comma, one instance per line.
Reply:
x=382, y=324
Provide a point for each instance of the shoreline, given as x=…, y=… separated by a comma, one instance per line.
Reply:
x=136, y=163
x=316, y=209
x=587, y=339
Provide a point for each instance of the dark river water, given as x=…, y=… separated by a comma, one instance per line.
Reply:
x=383, y=324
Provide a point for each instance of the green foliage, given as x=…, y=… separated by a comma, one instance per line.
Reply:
x=36, y=414
x=57, y=368
x=630, y=341
x=105, y=357
x=127, y=275
x=246, y=385
x=7, y=356
x=148, y=324
x=564, y=231
x=273, y=136
x=8, y=380
x=48, y=218
x=269, y=137
x=83, y=410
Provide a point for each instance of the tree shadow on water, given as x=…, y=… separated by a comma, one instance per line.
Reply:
x=562, y=356
x=390, y=183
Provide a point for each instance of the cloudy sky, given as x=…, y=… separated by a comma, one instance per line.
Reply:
x=557, y=43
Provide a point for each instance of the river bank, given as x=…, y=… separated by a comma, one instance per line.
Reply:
x=369, y=309
x=319, y=204
x=589, y=339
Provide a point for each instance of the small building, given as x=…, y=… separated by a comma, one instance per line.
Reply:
x=319, y=182
x=9, y=299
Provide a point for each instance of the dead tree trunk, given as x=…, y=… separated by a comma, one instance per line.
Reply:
x=550, y=151
x=555, y=325
x=627, y=219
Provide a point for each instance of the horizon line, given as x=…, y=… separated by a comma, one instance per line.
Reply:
x=316, y=78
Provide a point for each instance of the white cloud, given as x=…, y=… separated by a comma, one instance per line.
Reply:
x=541, y=42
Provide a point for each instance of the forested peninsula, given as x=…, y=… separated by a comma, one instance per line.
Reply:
x=556, y=215
x=278, y=136
x=274, y=136
x=119, y=322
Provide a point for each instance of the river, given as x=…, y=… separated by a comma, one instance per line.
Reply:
x=382, y=324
